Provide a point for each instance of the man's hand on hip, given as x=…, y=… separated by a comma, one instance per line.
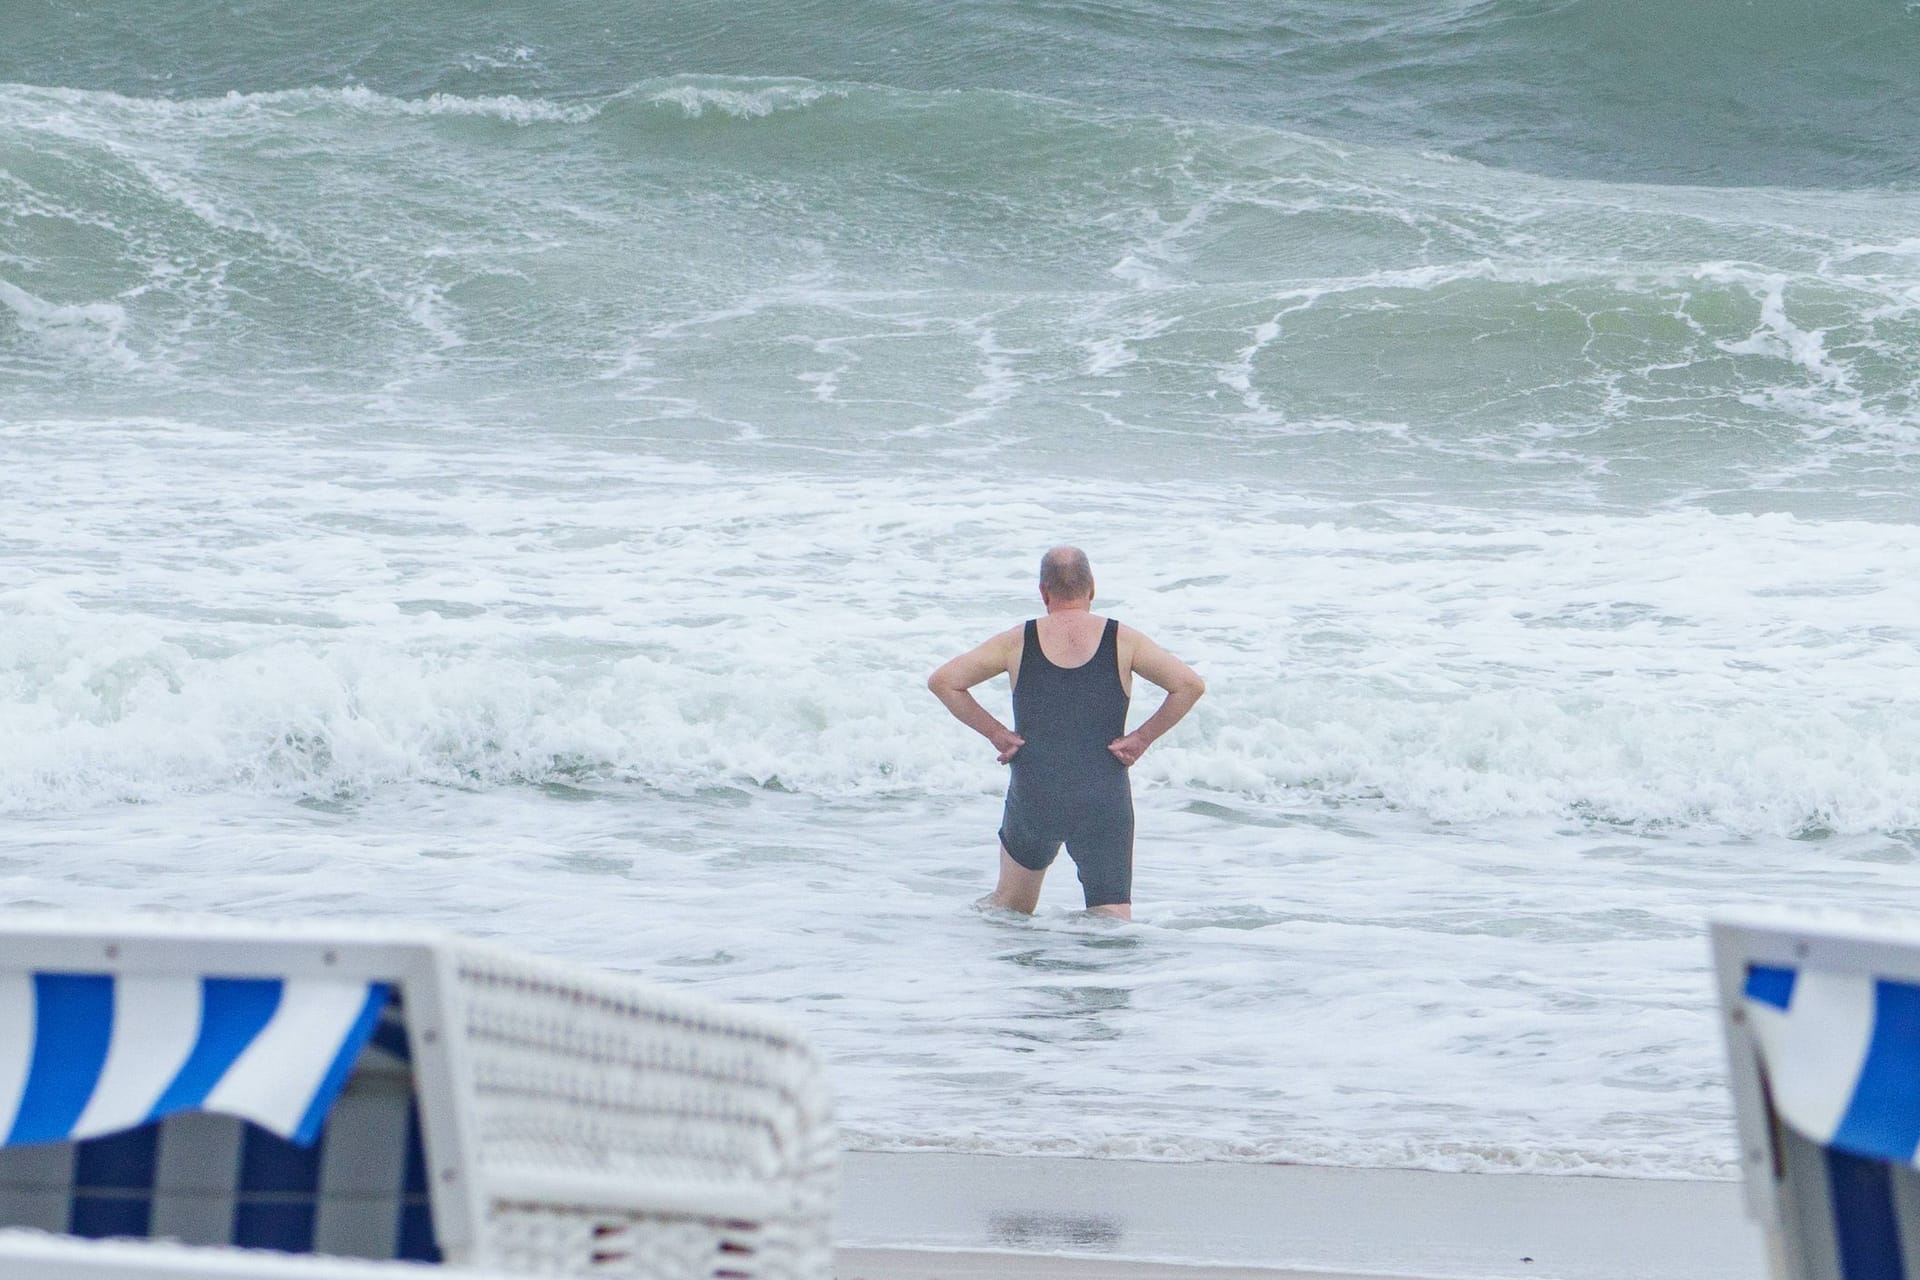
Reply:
x=1007, y=743
x=1128, y=749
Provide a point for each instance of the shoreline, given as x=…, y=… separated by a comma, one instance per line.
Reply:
x=957, y=1264
x=932, y=1215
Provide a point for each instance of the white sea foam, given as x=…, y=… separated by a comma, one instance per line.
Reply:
x=1777, y=335
x=1659, y=669
x=508, y=107
x=91, y=331
x=77, y=108
x=1333, y=985
x=741, y=99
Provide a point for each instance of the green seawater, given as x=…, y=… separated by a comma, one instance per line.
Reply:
x=1799, y=92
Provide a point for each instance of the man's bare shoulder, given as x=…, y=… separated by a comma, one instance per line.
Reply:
x=1004, y=644
x=989, y=658
x=1139, y=653
x=1129, y=638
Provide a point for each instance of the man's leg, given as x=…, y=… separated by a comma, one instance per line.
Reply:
x=1019, y=887
x=1103, y=852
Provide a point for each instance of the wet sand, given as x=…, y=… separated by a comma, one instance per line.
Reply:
x=938, y=1216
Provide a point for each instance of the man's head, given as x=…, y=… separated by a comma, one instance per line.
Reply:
x=1066, y=577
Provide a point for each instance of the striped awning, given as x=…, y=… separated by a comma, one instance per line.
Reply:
x=1842, y=1057
x=85, y=1054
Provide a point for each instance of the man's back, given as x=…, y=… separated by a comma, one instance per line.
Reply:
x=1068, y=639
x=1067, y=713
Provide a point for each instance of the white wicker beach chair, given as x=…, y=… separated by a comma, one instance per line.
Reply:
x=28, y=1255
x=1822, y=1021
x=391, y=1093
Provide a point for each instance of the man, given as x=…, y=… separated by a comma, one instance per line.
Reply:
x=1072, y=675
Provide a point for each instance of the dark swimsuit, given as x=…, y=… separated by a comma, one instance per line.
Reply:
x=1067, y=788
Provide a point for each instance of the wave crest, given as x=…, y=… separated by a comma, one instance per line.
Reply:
x=740, y=99
x=91, y=331
x=100, y=711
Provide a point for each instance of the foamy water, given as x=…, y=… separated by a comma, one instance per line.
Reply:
x=1421, y=882
x=531, y=503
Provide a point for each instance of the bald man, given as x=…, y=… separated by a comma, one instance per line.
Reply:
x=1069, y=751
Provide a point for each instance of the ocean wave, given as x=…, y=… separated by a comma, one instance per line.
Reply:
x=1166, y=258
x=1622, y=90
x=91, y=332
x=742, y=100
x=689, y=96
x=104, y=710
x=34, y=105
x=1664, y=1158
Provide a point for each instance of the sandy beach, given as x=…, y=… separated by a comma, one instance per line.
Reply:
x=934, y=1216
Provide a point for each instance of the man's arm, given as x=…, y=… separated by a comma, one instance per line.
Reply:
x=1182, y=683
x=952, y=681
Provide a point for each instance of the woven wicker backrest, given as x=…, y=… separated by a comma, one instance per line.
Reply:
x=710, y=1121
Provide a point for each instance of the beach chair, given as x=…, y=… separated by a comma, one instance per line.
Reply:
x=26, y=1255
x=392, y=1093
x=1822, y=1021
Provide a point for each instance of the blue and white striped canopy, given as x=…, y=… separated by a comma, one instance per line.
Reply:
x=1842, y=1054
x=85, y=1054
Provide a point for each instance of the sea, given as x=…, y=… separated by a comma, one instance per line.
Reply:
x=513, y=468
